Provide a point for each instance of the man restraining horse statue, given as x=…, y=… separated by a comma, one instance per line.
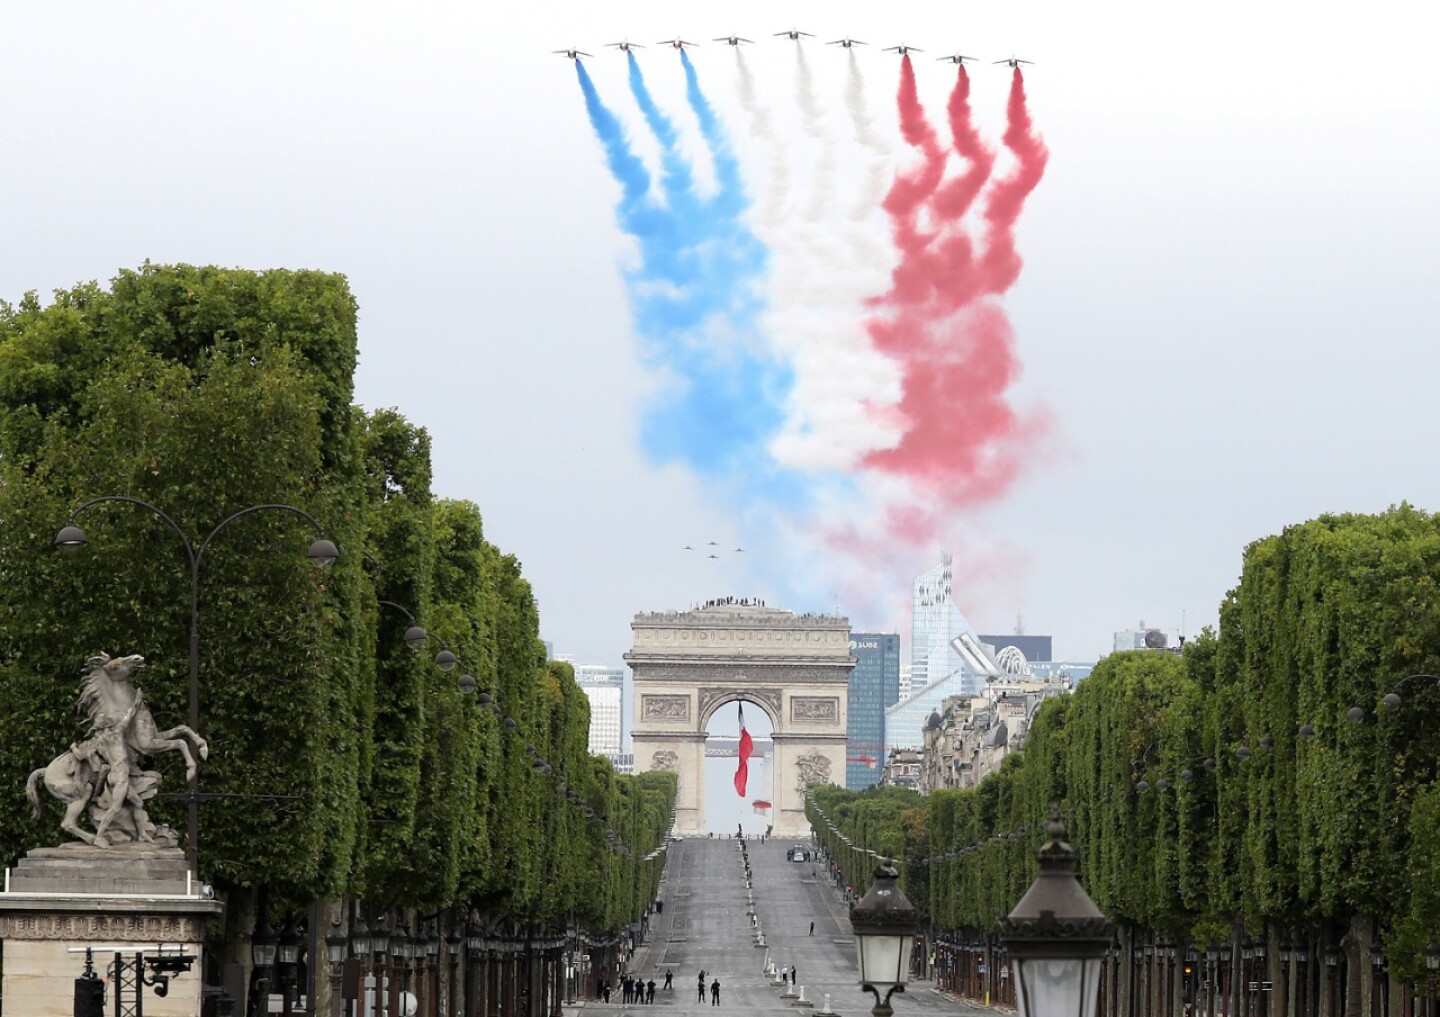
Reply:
x=102, y=772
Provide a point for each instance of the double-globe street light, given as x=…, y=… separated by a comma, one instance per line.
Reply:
x=322, y=552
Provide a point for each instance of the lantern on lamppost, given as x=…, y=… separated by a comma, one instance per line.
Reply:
x=1056, y=937
x=884, y=923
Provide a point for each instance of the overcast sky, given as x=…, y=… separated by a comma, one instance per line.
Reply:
x=1227, y=311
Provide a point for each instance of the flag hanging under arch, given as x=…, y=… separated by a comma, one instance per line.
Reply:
x=742, y=772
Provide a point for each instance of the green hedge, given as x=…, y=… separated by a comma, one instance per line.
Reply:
x=1293, y=831
x=348, y=763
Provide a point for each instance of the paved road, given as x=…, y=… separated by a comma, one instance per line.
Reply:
x=704, y=925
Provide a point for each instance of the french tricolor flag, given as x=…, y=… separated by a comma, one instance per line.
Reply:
x=742, y=772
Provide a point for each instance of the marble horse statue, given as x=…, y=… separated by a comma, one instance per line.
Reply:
x=102, y=773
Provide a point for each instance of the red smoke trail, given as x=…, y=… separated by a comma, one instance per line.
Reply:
x=912, y=190
x=955, y=198
x=962, y=442
x=1000, y=264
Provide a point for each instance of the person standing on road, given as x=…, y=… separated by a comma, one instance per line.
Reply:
x=650, y=991
x=667, y=980
x=715, y=993
x=812, y=928
x=794, y=978
x=702, y=987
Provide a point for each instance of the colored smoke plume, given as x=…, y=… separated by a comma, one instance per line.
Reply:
x=694, y=292
x=962, y=442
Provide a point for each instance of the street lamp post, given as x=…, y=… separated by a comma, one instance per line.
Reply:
x=380, y=947
x=322, y=552
x=336, y=947
x=454, y=942
x=1056, y=937
x=287, y=959
x=263, y=945
x=884, y=923
x=1432, y=967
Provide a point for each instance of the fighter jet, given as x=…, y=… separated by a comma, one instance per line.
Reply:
x=677, y=43
x=626, y=46
x=903, y=49
x=847, y=42
x=795, y=34
x=573, y=54
x=956, y=58
x=1014, y=62
x=732, y=40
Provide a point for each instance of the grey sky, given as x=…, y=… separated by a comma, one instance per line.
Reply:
x=1229, y=303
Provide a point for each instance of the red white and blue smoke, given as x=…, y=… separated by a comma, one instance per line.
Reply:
x=826, y=314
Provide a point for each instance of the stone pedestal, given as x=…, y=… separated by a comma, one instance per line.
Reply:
x=129, y=897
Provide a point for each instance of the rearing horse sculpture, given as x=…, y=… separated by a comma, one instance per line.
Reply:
x=103, y=771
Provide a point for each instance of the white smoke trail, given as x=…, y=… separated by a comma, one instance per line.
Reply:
x=777, y=178
x=826, y=260
x=876, y=175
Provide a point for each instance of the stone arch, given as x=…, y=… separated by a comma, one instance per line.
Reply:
x=690, y=665
x=712, y=701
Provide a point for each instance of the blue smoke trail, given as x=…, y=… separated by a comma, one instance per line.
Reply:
x=696, y=298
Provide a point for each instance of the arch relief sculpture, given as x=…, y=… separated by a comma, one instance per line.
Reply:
x=813, y=768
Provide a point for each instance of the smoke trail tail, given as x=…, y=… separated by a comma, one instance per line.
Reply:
x=1000, y=263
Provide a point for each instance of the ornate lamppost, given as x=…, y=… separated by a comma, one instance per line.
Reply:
x=1056, y=937
x=263, y=945
x=380, y=948
x=884, y=923
x=476, y=982
x=322, y=552
x=337, y=947
x=1432, y=968
x=287, y=960
x=454, y=940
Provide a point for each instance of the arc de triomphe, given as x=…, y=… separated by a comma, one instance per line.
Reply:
x=689, y=664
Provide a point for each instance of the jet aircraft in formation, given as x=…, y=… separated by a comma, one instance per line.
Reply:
x=904, y=49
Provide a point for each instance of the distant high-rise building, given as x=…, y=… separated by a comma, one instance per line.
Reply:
x=1033, y=647
x=874, y=685
x=936, y=621
x=1147, y=637
x=604, y=687
x=905, y=721
x=905, y=685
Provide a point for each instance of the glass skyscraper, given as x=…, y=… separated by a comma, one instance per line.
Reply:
x=935, y=621
x=874, y=686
